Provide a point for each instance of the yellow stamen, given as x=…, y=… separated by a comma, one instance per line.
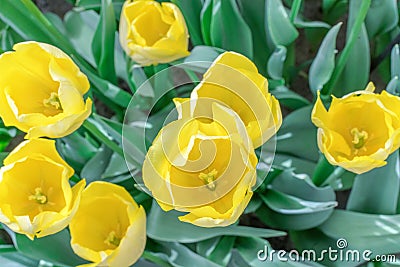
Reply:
x=39, y=197
x=53, y=101
x=359, y=138
x=209, y=178
x=112, y=239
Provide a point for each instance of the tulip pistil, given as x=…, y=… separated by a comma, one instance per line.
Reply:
x=209, y=179
x=359, y=138
x=112, y=239
x=53, y=101
x=39, y=197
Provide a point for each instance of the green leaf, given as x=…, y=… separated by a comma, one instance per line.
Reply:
x=200, y=58
x=355, y=75
x=286, y=204
x=382, y=17
x=249, y=247
x=322, y=67
x=103, y=42
x=377, y=191
x=278, y=25
x=95, y=167
x=395, y=61
x=76, y=150
x=276, y=61
x=289, y=99
x=297, y=164
x=294, y=203
x=205, y=19
x=96, y=5
x=228, y=30
x=179, y=255
x=80, y=28
x=223, y=251
x=379, y=233
x=165, y=226
x=54, y=248
x=350, y=43
x=302, y=24
x=191, y=11
x=253, y=14
x=116, y=167
x=297, y=126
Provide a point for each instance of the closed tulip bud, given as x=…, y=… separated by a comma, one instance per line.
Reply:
x=152, y=32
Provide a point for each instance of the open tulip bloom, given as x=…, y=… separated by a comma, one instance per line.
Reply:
x=35, y=196
x=360, y=130
x=41, y=91
x=197, y=132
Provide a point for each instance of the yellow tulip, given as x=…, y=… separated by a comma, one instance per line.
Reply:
x=360, y=130
x=233, y=80
x=203, y=166
x=109, y=228
x=41, y=91
x=35, y=196
x=152, y=33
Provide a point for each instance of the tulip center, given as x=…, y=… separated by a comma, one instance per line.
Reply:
x=112, y=239
x=39, y=197
x=359, y=138
x=209, y=178
x=53, y=101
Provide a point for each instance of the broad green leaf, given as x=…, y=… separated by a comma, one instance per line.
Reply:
x=322, y=67
x=382, y=17
x=200, y=58
x=275, y=62
x=249, y=247
x=253, y=14
x=205, y=20
x=54, y=248
x=103, y=42
x=165, y=226
x=289, y=99
x=116, y=167
x=80, y=28
x=298, y=165
x=295, y=127
x=95, y=167
x=179, y=255
x=96, y=5
x=302, y=24
x=379, y=233
x=277, y=23
x=228, y=30
x=289, y=205
x=395, y=61
x=334, y=10
x=17, y=259
x=191, y=11
x=76, y=150
x=223, y=251
x=355, y=75
x=377, y=191
x=294, y=203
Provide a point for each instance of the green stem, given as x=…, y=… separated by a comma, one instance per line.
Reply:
x=353, y=36
x=150, y=257
x=295, y=10
x=102, y=137
x=338, y=172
